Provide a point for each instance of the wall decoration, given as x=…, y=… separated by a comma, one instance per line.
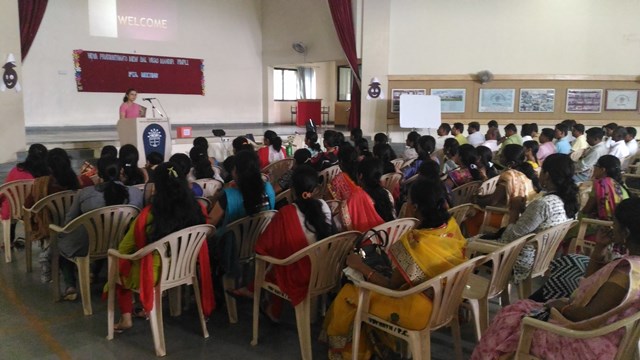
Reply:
x=584, y=100
x=395, y=97
x=9, y=75
x=537, y=100
x=115, y=72
x=497, y=100
x=375, y=91
x=451, y=100
x=619, y=100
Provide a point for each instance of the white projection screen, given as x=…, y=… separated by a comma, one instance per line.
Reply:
x=155, y=20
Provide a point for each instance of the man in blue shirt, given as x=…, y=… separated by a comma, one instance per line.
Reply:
x=562, y=144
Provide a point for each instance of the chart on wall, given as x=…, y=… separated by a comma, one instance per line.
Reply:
x=116, y=72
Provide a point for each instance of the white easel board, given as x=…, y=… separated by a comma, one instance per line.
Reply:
x=420, y=111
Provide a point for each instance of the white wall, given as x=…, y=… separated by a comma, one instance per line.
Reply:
x=515, y=37
x=12, y=135
x=226, y=34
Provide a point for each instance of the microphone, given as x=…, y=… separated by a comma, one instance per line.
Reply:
x=148, y=99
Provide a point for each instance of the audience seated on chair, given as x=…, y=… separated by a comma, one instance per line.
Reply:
x=547, y=147
x=272, y=150
x=329, y=157
x=34, y=166
x=301, y=157
x=421, y=254
x=468, y=168
x=475, y=138
x=369, y=174
x=425, y=148
x=173, y=208
x=609, y=293
x=110, y=191
x=597, y=148
x=131, y=173
x=618, y=146
x=183, y=162
x=311, y=141
x=284, y=237
x=411, y=143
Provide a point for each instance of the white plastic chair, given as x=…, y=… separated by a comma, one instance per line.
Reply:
x=586, y=247
x=326, y=258
x=204, y=202
x=464, y=194
x=209, y=187
x=105, y=229
x=486, y=221
x=325, y=176
x=56, y=206
x=276, y=169
x=286, y=194
x=627, y=349
x=390, y=181
x=15, y=193
x=179, y=256
x=546, y=243
x=480, y=289
x=244, y=232
x=489, y=186
x=398, y=163
x=395, y=229
x=446, y=290
x=460, y=213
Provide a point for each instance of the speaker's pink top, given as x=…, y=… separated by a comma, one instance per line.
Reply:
x=130, y=111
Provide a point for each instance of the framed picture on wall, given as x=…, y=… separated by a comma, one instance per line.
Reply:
x=395, y=97
x=584, y=101
x=497, y=100
x=451, y=100
x=621, y=100
x=537, y=100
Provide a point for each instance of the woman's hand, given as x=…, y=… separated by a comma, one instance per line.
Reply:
x=557, y=304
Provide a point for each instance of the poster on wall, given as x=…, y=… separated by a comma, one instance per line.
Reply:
x=395, y=97
x=10, y=75
x=584, y=100
x=155, y=20
x=537, y=100
x=621, y=100
x=451, y=100
x=116, y=72
x=497, y=100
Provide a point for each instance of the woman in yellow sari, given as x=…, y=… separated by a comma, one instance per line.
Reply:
x=421, y=254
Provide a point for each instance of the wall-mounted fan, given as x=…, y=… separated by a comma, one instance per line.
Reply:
x=299, y=47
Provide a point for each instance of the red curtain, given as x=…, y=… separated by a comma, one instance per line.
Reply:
x=31, y=13
x=343, y=22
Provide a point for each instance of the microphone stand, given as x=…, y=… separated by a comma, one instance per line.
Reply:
x=153, y=108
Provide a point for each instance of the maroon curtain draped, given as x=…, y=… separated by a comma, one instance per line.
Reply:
x=31, y=13
x=343, y=22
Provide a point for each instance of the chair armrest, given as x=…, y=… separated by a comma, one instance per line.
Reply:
x=56, y=228
x=531, y=323
x=597, y=222
x=495, y=209
x=288, y=261
x=482, y=246
x=633, y=176
x=135, y=256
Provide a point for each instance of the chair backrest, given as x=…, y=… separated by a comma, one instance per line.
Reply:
x=105, y=227
x=204, y=202
x=396, y=228
x=408, y=163
x=57, y=205
x=276, y=169
x=460, y=212
x=546, y=243
x=246, y=232
x=463, y=194
x=179, y=254
x=502, y=261
x=630, y=345
x=447, y=292
x=15, y=192
x=324, y=178
x=411, y=180
x=209, y=186
x=397, y=163
x=287, y=194
x=579, y=241
x=390, y=181
x=489, y=186
x=403, y=210
x=327, y=258
x=584, y=189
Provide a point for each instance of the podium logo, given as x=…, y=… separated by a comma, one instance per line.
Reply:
x=154, y=139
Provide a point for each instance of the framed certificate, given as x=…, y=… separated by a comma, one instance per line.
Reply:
x=537, y=100
x=497, y=100
x=451, y=100
x=621, y=100
x=584, y=101
x=395, y=97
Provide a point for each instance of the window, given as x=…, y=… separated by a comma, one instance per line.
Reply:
x=285, y=84
x=344, y=83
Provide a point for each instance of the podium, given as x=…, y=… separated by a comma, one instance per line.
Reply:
x=309, y=109
x=148, y=135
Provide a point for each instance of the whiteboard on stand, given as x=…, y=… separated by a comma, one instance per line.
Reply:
x=420, y=111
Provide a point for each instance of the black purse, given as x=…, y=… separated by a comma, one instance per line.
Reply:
x=371, y=247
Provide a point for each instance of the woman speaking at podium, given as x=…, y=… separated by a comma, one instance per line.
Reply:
x=129, y=109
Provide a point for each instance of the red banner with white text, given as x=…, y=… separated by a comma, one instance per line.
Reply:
x=116, y=72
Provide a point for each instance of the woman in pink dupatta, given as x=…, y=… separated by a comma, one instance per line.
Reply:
x=609, y=293
x=284, y=236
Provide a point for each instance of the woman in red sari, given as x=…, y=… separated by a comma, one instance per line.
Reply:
x=284, y=237
x=358, y=209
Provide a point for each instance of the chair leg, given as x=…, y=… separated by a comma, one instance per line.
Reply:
x=230, y=284
x=505, y=296
x=28, y=251
x=203, y=322
x=304, y=328
x=55, y=269
x=157, y=327
x=85, y=286
x=457, y=338
x=175, y=301
x=112, y=274
x=257, y=291
x=6, y=235
x=524, y=288
x=363, y=307
x=420, y=345
x=474, y=304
